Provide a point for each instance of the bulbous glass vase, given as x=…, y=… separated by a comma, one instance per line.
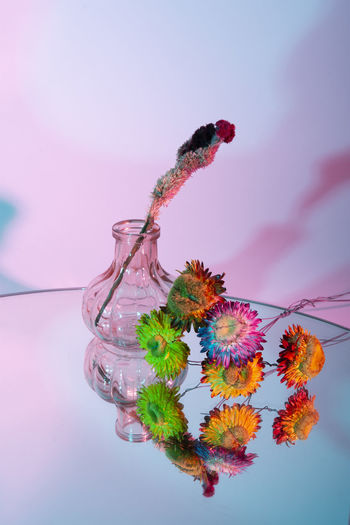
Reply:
x=144, y=286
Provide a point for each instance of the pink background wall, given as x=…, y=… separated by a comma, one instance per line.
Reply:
x=96, y=97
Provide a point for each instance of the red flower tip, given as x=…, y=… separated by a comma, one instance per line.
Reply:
x=225, y=130
x=208, y=491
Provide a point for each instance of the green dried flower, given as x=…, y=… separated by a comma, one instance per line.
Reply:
x=159, y=409
x=166, y=353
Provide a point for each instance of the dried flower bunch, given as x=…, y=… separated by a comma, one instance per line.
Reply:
x=231, y=337
x=233, y=366
x=228, y=332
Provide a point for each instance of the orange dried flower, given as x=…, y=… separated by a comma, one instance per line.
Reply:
x=302, y=357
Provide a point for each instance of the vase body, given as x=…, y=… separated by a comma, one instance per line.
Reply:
x=144, y=286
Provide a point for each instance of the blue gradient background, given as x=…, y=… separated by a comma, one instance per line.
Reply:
x=95, y=99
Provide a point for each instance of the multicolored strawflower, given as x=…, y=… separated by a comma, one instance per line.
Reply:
x=302, y=357
x=222, y=461
x=193, y=293
x=230, y=427
x=297, y=419
x=230, y=333
x=159, y=409
x=166, y=353
x=235, y=380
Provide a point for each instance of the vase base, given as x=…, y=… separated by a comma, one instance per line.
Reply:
x=129, y=427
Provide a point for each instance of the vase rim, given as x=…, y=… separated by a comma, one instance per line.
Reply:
x=132, y=228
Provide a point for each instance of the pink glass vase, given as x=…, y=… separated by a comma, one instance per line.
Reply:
x=144, y=286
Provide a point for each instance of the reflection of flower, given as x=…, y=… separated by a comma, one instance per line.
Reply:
x=302, y=357
x=166, y=353
x=220, y=460
x=297, y=419
x=233, y=381
x=159, y=409
x=182, y=454
x=231, y=333
x=231, y=427
x=192, y=294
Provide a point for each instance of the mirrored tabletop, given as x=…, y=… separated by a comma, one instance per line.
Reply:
x=62, y=461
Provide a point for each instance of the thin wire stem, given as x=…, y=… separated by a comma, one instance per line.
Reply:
x=220, y=403
x=295, y=307
x=195, y=363
x=266, y=408
x=270, y=372
x=199, y=385
x=247, y=399
x=340, y=338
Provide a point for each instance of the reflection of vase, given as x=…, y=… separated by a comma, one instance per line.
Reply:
x=117, y=375
x=144, y=286
x=128, y=425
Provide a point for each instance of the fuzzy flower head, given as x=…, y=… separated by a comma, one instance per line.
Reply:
x=201, y=138
x=166, y=353
x=193, y=293
x=223, y=461
x=197, y=152
x=230, y=334
x=302, y=357
x=297, y=419
x=233, y=381
x=230, y=427
x=159, y=409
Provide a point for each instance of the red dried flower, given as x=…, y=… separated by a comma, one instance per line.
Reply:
x=297, y=419
x=225, y=130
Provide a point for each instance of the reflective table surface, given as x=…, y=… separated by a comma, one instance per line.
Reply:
x=63, y=463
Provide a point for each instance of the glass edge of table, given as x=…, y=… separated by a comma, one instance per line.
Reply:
x=230, y=297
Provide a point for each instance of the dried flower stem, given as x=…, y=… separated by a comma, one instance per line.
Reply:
x=340, y=338
x=126, y=263
x=295, y=307
x=199, y=385
x=266, y=408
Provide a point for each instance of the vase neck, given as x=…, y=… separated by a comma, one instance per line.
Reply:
x=126, y=234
